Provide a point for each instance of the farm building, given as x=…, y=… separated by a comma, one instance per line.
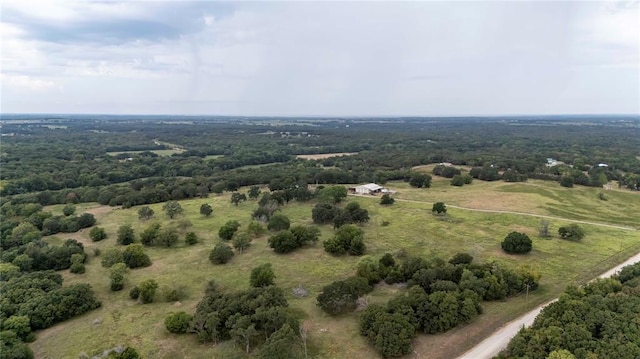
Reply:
x=370, y=188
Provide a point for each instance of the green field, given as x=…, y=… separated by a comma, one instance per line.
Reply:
x=412, y=228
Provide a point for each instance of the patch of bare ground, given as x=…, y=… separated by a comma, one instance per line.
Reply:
x=321, y=156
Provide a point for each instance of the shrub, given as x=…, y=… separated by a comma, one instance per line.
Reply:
x=134, y=256
x=386, y=199
x=439, y=208
x=191, y=238
x=348, y=239
x=125, y=235
x=148, y=290
x=97, y=234
x=262, y=276
x=517, y=243
x=178, y=323
x=134, y=293
x=571, y=232
x=227, y=231
x=340, y=296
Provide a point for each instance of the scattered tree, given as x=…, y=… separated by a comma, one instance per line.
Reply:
x=220, y=254
x=278, y=222
x=227, y=231
x=420, y=180
x=254, y=192
x=150, y=234
x=145, y=213
x=125, y=235
x=172, y=209
x=206, y=209
x=134, y=256
x=517, y=243
x=566, y=181
x=237, y=197
x=262, y=276
x=168, y=237
x=439, y=208
x=386, y=199
x=332, y=194
x=348, y=239
x=241, y=241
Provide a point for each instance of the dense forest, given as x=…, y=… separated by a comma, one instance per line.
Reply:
x=51, y=161
x=599, y=320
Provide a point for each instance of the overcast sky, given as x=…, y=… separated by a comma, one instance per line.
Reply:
x=320, y=58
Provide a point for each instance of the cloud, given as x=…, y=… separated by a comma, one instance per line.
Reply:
x=314, y=58
x=28, y=82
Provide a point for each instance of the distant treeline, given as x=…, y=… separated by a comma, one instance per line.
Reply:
x=74, y=159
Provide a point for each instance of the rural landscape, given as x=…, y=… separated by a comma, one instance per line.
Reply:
x=283, y=237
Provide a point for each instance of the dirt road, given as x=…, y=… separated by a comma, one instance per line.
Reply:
x=492, y=345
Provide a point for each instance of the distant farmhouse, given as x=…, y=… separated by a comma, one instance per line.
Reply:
x=369, y=188
x=553, y=162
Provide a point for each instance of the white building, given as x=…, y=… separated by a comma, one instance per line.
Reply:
x=369, y=188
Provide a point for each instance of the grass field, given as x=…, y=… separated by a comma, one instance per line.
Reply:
x=412, y=227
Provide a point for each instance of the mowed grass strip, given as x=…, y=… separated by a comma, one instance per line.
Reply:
x=411, y=226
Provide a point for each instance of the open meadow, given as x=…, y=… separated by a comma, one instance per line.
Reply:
x=411, y=227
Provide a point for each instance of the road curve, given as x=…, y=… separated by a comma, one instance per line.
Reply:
x=492, y=345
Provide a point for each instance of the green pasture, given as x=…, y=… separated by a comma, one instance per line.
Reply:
x=412, y=227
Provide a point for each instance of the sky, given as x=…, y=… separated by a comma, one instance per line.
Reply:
x=300, y=58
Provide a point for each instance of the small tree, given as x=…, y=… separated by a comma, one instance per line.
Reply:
x=220, y=254
x=111, y=257
x=333, y=194
x=172, y=208
x=386, y=200
x=77, y=263
x=348, y=239
x=134, y=256
x=439, y=208
x=206, y=209
x=254, y=192
x=544, y=229
x=237, y=197
x=517, y=243
x=572, y=232
x=278, y=222
x=262, y=276
x=149, y=235
x=68, y=210
x=97, y=234
x=117, y=274
x=145, y=213
x=241, y=241
x=420, y=180
x=167, y=237
x=125, y=235
x=191, y=238
x=148, y=290
x=227, y=231
x=457, y=180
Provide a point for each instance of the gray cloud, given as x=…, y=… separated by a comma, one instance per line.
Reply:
x=337, y=58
